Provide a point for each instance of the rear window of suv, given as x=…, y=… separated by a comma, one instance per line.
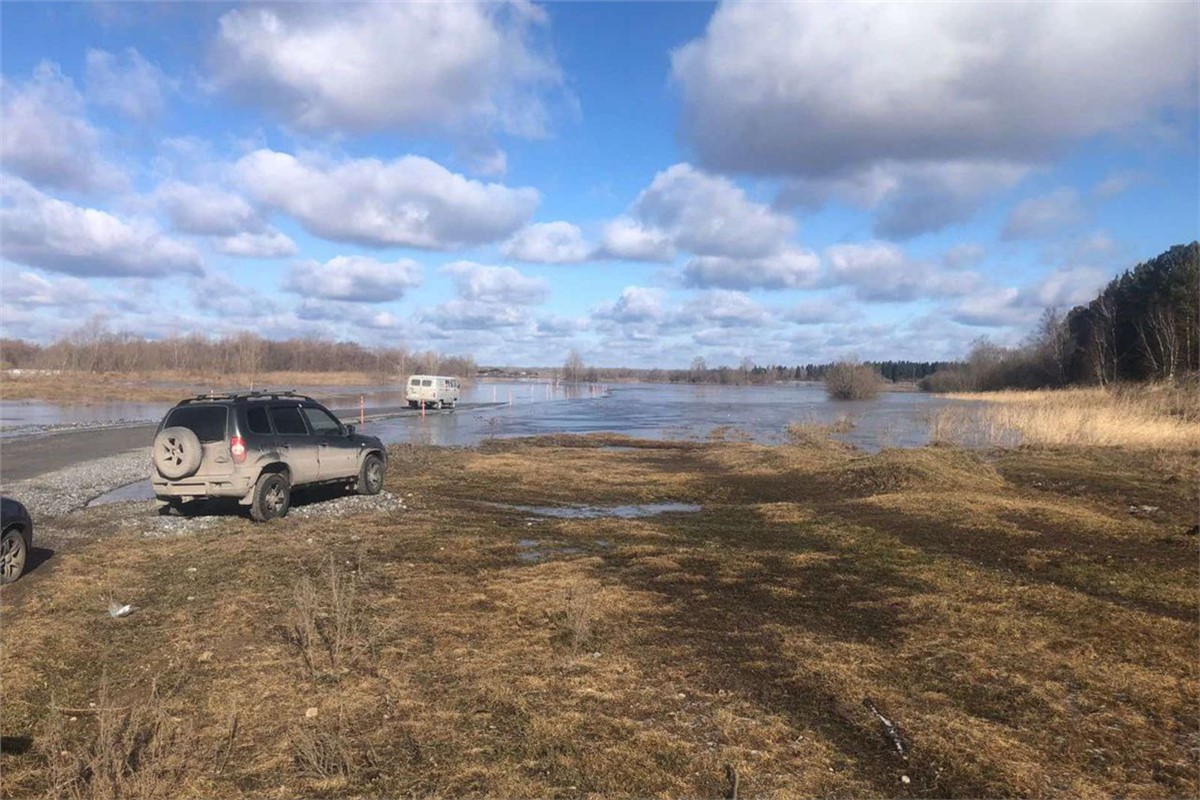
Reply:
x=207, y=422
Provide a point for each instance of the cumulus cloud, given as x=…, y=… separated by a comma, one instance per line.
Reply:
x=629, y=240
x=724, y=308
x=1066, y=286
x=46, y=137
x=911, y=198
x=818, y=89
x=471, y=315
x=354, y=279
x=268, y=243
x=1046, y=215
x=637, y=304
x=411, y=201
x=483, y=283
x=710, y=215
x=791, y=268
x=882, y=272
x=53, y=234
x=207, y=209
x=127, y=82
x=413, y=67
x=548, y=243
x=29, y=288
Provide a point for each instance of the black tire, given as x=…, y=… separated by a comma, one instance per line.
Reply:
x=370, y=475
x=13, y=555
x=177, y=452
x=272, y=497
x=441, y=404
x=413, y=404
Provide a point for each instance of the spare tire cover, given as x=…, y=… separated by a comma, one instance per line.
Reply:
x=177, y=452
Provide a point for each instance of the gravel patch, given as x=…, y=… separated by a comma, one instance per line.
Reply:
x=66, y=490
x=350, y=505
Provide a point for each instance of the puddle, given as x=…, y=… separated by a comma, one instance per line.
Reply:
x=598, y=512
x=130, y=492
x=532, y=551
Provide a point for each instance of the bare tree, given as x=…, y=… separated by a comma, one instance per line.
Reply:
x=573, y=368
x=1104, y=339
x=1158, y=334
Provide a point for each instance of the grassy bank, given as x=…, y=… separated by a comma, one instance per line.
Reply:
x=1025, y=631
x=165, y=386
x=1140, y=417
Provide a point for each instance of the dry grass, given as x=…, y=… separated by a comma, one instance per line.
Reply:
x=1147, y=417
x=160, y=386
x=1025, y=633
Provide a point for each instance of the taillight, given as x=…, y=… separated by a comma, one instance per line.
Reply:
x=237, y=446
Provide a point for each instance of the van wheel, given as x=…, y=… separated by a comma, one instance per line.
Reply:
x=272, y=497
x=441, y=404
x=13, y=554
x=370, y=477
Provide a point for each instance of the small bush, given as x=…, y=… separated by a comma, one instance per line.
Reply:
x=846, y=380
x=326, y=623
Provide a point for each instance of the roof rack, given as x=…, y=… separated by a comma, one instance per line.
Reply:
x=265, y=394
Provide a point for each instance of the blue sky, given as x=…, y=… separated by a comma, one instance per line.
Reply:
x=645, y=183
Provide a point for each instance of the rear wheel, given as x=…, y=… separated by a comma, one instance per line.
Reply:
x=272, y=497
x=177, y=452
x=370, y=476
x=13, y=554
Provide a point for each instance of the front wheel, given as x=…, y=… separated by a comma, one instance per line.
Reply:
x=13, y=554
x=370, y=476
x=272, y=497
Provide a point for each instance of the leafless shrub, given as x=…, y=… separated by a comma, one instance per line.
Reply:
x=847, y=380
x=325, y=623
x=324, y=750
x=579, y=614
x=132, y=752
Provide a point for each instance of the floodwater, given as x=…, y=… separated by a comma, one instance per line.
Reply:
x=667, y=411
x=600, y=512
x=493, y=409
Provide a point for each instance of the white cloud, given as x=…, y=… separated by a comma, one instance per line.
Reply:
x=709, y=215
x=414, y=67
x=911, y=197
x=882, y=272
x=791, y=268
x=128, y=83
x=1066, y=286
x=470, y=315
x=207, y=209
x=637, y=304
x=45, y=232
x=816, y=89
x=628, y=240
x=46, y=137
x=548, y=243
x=724, y=308
x=268, y=243
x=30, y=288
x=1044, y=216
x=483, y=283
x=354, y=279
x=994, y=307
x=410, y=201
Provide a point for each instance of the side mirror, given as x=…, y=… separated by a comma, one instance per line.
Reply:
x=349, y=430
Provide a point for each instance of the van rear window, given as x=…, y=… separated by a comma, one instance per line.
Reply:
x=207, y=422
x=427, y=382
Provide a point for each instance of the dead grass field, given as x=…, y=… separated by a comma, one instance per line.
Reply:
x=1140, y=417
x=1028, y=635
x=159, y=386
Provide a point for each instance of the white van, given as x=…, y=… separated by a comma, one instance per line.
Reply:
x=432, y=390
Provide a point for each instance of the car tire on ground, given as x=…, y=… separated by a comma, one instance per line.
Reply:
x=177, y=452
x=370, y=475
x=13, y=555
x=272, y=497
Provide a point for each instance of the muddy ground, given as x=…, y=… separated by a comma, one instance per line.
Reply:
x=927, y=623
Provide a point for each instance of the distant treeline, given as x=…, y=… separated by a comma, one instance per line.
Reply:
x=747, y=373
x=1144, y=325
x=93, y=348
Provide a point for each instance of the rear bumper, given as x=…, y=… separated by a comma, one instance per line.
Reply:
x=189, y=488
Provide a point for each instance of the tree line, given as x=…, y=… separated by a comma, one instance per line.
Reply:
x=95, y=349
x=1144, y=325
